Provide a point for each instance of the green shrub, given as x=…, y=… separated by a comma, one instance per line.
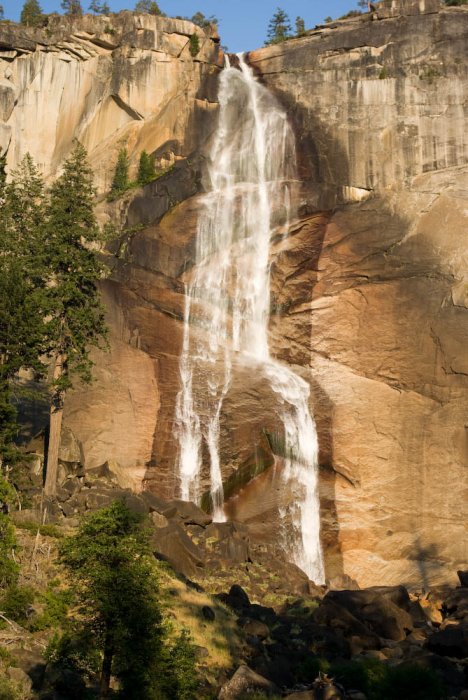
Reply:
x=9, y=569
x=55, y=610
x=9, y=690
x=194, y=45
x=410, y=681
x=178, y=673
x=16, y=603
x=47, y=530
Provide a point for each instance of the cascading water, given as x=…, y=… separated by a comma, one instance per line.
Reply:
x=228, y=304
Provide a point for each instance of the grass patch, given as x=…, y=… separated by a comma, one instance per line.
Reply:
x=47, y=530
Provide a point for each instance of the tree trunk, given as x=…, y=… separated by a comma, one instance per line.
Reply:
x=55, y=430
x=106, y=670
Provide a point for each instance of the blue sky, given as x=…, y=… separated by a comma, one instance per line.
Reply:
x=243, y=23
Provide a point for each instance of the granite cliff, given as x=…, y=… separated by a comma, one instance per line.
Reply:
x=369, y=289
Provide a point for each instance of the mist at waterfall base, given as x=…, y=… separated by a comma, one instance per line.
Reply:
x=227, y=309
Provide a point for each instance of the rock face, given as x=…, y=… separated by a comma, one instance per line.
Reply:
x=379, y=106
x=123, y=80
x=369, y=290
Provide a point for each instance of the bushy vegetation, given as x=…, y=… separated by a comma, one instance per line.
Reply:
x=31, y=14
x=280, y=28
x=147, y=173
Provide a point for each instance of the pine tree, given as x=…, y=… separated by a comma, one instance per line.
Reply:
x=23, y=298
x=300, y=26
x=72, y=7
x=99, y=8
x=149, y=7
x=115, y=578
x=145, y=169
x=31, y=14
x=76, y=316
x=279, y=27
x=120, y=182
x=2, y=13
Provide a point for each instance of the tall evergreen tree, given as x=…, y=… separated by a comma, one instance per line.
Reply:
x=23, y=298
x=76, y=316
x=114, y=574
x=145, y=169
x=279, y=27
x=121, y=182
x=2, y=13
x=72, y=7
x=31, y=14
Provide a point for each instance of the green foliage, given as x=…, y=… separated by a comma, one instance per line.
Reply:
x=31, y=14
x=145, y=169
x=300, y=26
x=76, y=316
x=179, y=679
x=202, y=21
x=23, y=303
x=56, y=606
x=116, y=585
x=9, y=690
x=121, y=182
x=16, y=602
x=99, y=7
x=2, y=15
x=328, y=19
x=9, y=569
x=7, y=495
x=48, y=530
x=455, y=3
x=72, y=8
x=279, y=28
x=74, y=650
x=194, y=45
x=149, y=7
x=381, y=682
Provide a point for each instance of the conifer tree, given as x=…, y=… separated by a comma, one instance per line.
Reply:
x=145, y=169
x=121, y=182
x=300, y=26
x=279, y=27
x=76, y=319
x=72, y=8
x=2, y=13
x=23, y=299
x=114, y=576
x=149, y=7
x=31, y=14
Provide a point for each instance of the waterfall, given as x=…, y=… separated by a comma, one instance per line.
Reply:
x=228, y=306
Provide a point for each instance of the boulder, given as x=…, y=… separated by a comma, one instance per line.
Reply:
x=173, y=545
x=246, y=681
x=208, y=613
x=463, y=577
x=190, y=513
x=451, y=641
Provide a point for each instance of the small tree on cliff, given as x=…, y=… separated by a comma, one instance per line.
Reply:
x=300, y=26
x=120, y=182
x=145, y=169
x=99, y=8
x=31, y=14
x=149, y=7
x=2, y=13
x=76, y=316
x=72, y=7
x=279, y=27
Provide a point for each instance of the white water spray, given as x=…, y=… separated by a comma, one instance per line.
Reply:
x=228, y=305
